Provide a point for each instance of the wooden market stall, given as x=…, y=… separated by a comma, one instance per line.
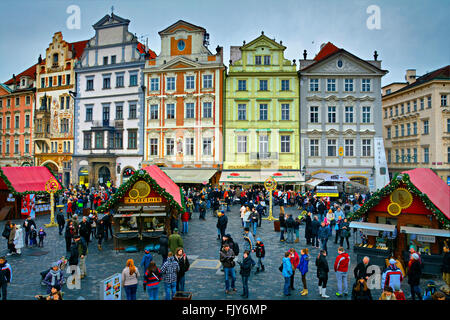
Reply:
x=22, y=190
x=413, y=209
x=143, y=207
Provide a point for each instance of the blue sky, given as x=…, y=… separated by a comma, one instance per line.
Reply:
x=414, y=34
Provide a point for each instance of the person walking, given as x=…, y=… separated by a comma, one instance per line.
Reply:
x=282, y=226
x=297, y=230
x=164, y=246
x=345, y=233
x=202, y=208
x=5, y=277
x=107, y=224
x=303, y=267
x=169, y=270
x=295, y=260
x=54, y=278
x=100, y=229
x=183, y=263
x=341, y=269
x=82, y=252
x=414, y=275
x=175, y=241
x=322, y=272
x=290, y=225
x=222, y=222
x=254, y=217
x=360, y=291
x=323, y=235
x=260, y=252
x=12, y=237
x=130, y=276
x=185, y=222
x=152, y=278
x=146, y=259
x=338, y=228
x=315, y=225
x=27, y=227
x=246, y=268
x=308, y=228
x=286, y=269
x=249, y=240
x=41, y=234
x=392, y=275
x=61, y=221
x=69, y=234
x=227, y=259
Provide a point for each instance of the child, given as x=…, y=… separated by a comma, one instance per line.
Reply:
x=398, y=292
x=41, y=235
x=260, y=254
x=33, y=236
x=303, y=267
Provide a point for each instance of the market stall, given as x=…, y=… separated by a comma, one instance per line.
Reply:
x=143, y=207
x=416, y=207
x=23, y=193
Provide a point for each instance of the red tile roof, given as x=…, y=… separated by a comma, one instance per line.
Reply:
x=165, y=182
x=326, y=50
x=79, y=47
x=433, y=186
x=141, y=49
x=24, y=179
x=30, y=72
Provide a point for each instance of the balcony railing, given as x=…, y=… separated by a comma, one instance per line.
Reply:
x=42, y=135
x=263, y=155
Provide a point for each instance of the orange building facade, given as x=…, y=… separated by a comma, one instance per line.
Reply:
x=184, y=105
x=17, y=103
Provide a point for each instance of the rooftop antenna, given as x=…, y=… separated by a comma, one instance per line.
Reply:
x=112, y=10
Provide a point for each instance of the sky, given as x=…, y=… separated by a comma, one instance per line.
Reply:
x=407, y=34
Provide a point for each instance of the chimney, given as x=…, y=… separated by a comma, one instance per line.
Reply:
x=410, y=76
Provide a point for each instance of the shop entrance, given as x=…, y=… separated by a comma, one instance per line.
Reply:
x=104, y=175
x=83, y=175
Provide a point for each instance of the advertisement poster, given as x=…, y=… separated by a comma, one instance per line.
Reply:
x=28, y=206
x=112, y=288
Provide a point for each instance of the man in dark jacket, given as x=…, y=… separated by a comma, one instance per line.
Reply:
x=260, y=252
x=246, y=267
x=107, y=220
x=414, y=274
x=164, y=246
x=100, y=229
x=27, y=227
x=308, y=228
x=323, y=234
x=227, y=260
x=84, y=230
x=315, y=225
x=5, y=277
x=61, y=221
x=322, y=273
x=290, y=224
x=222, y=222
x=360, y=270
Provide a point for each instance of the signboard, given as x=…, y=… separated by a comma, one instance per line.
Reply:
x=327, y=191
x=423, y=238
x=142, y=193
x=111, y=288
x=371, y=232
x=28, y=206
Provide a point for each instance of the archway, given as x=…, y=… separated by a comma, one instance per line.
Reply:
x=52, y=165
x=104, y=175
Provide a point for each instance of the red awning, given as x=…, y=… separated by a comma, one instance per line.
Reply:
x=25, y=179
x=433, y=186
x=165, y=182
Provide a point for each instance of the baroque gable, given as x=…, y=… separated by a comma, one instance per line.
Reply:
x=350, y=65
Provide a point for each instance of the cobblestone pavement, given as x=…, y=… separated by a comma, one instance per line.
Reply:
x=204, y=279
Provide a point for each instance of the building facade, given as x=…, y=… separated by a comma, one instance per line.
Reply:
x=262, y=120
x=416, y=122
x=17, y=104
x=55, y=86
x=340, y=98
x=184, y=105
x=109, y=105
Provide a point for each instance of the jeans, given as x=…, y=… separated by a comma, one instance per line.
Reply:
x=415, y=290
x=180, y=283
x=130, y=291
x=245, y=285
x=229, y=272
x=297, y=233
x=282, y=233
x=254, y=225
x=170, y=290
x=185, y=227
x=324, y=244
x=153, y=292
x=287, y=282
x=260, y=262
x=342, y=242
x=341, y=277
x=290, y=235
x=3, y=291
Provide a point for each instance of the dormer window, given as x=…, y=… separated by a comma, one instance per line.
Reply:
x=55, y=58
x=22, y=83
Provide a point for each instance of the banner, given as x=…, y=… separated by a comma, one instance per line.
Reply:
x=111, y=288
x=28, y=206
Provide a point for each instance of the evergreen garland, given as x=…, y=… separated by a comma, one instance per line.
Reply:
x=388, y=189
x=138, y=175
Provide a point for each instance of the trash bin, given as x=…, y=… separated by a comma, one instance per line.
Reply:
x=182, y=295
x=276, y=225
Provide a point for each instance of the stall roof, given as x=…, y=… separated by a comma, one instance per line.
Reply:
x=314, y=182
x=372, y=226
x=426, y=231
x=261, y=176
x=433, y=186
x=189, y=175
x=165, y=182
x=25, y=179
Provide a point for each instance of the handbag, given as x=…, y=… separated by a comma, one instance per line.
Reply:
x=281, y=268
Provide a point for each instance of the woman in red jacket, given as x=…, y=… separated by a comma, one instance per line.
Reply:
x=295, y=260
x=185, y=222
x=69, y=209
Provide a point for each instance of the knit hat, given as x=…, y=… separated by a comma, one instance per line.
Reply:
x=175, y=230
x=258, y=239
x=54, y=264
x=392, y=261
x=415, y=256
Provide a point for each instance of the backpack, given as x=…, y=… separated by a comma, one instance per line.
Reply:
x=235, y=248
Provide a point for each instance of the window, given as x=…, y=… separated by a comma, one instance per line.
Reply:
x=61, y=104
x=402, y=109
x=349, y=114
x=119, y=81
x=258, y=60
x=285, y=112
x=105, y=60
x=59, y=80
x=415, y=155
x=263, y=85
x=17, y=122
x=242, y=112
x=153, y=147
x=396, y=131
x=385, y=113
x=190, y=110
x=67, y=102
x=389, y=156
x=132, y=111
x=331, y=85
x=190, y=82
x=67, y=79
x=99, y=140
x=1, y=147
x=154, y=111
x=1, y=124
x=170, y=146
x=132, y=139
x=17, y=101
x=119, y=112
x=314, y=85
x=242, y=85
x=266, y=60
x=314, y=114
x=426, y=155
x=402, y=130
x=388, y=129
x=348, y=85
x=154, y=84
x=365, y=85
x=8, y=122
x=390, y=112
x=421, y=104
x=429, y=102
x=448, y=155
x=89, y=84
x=207, y=110
x=116, y=140
x=105, y=113
x=171, y=83
x=207, y=146
x=7, y=146
x=106, y=82
x=170, y=108
x=207, y=81
x=284, y=85
x=408, y=129
x=396, y=156
x=366, y=147
x=366, y=114
x=415, y=105
x=414, y=128
x=443, y=101
x=113, y=59
x=349, y=147
x=27, y=146
x=242, y=144
x=396, y=110
x=332, y=114
x=403, y=155
x=314, y=147
x=133, y=79
x=263, y=109
x=16, y=146
x=88, y=113
x=55, y=58
x=285, y=143
x=42, y=82
x=65, y=147
x=331, y=147
x=64, y=125
x=448, y=125
x=408, y=107
x=426, y=127
x=189, y=146
x=87, y=141
x=50, y=81
x=27, y=121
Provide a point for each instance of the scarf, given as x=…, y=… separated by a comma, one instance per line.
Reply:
x=56, y=275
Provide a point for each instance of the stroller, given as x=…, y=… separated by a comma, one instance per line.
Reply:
x=62, y=263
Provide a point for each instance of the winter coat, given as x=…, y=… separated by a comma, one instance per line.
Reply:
x=146, y=259
x=60, y=219
x=446, y=263
x=54, y=278
x=315, y=225
x=361, y=295
x=287, y=267
x=308, y=227
x=18, y=239
x=303, y=265
x=246, y=266
x=260, y=250
x=222, y=222
x=27, y=225
x=324, y=232
x=392, y=277
x=414, y=273
x=249, y=242
x=152, y=279
x=361, y=271
x=74, y=255
x=163, y=245
x=341, y=262
x=175, y=241
x=5, y=273
x=169, y=270
x=345, y=229
x=322, y=267
x=227, y=258
x=295, y=260
x=282, y=221
x=184, y=264
x=12, y=235
x=290, y=223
